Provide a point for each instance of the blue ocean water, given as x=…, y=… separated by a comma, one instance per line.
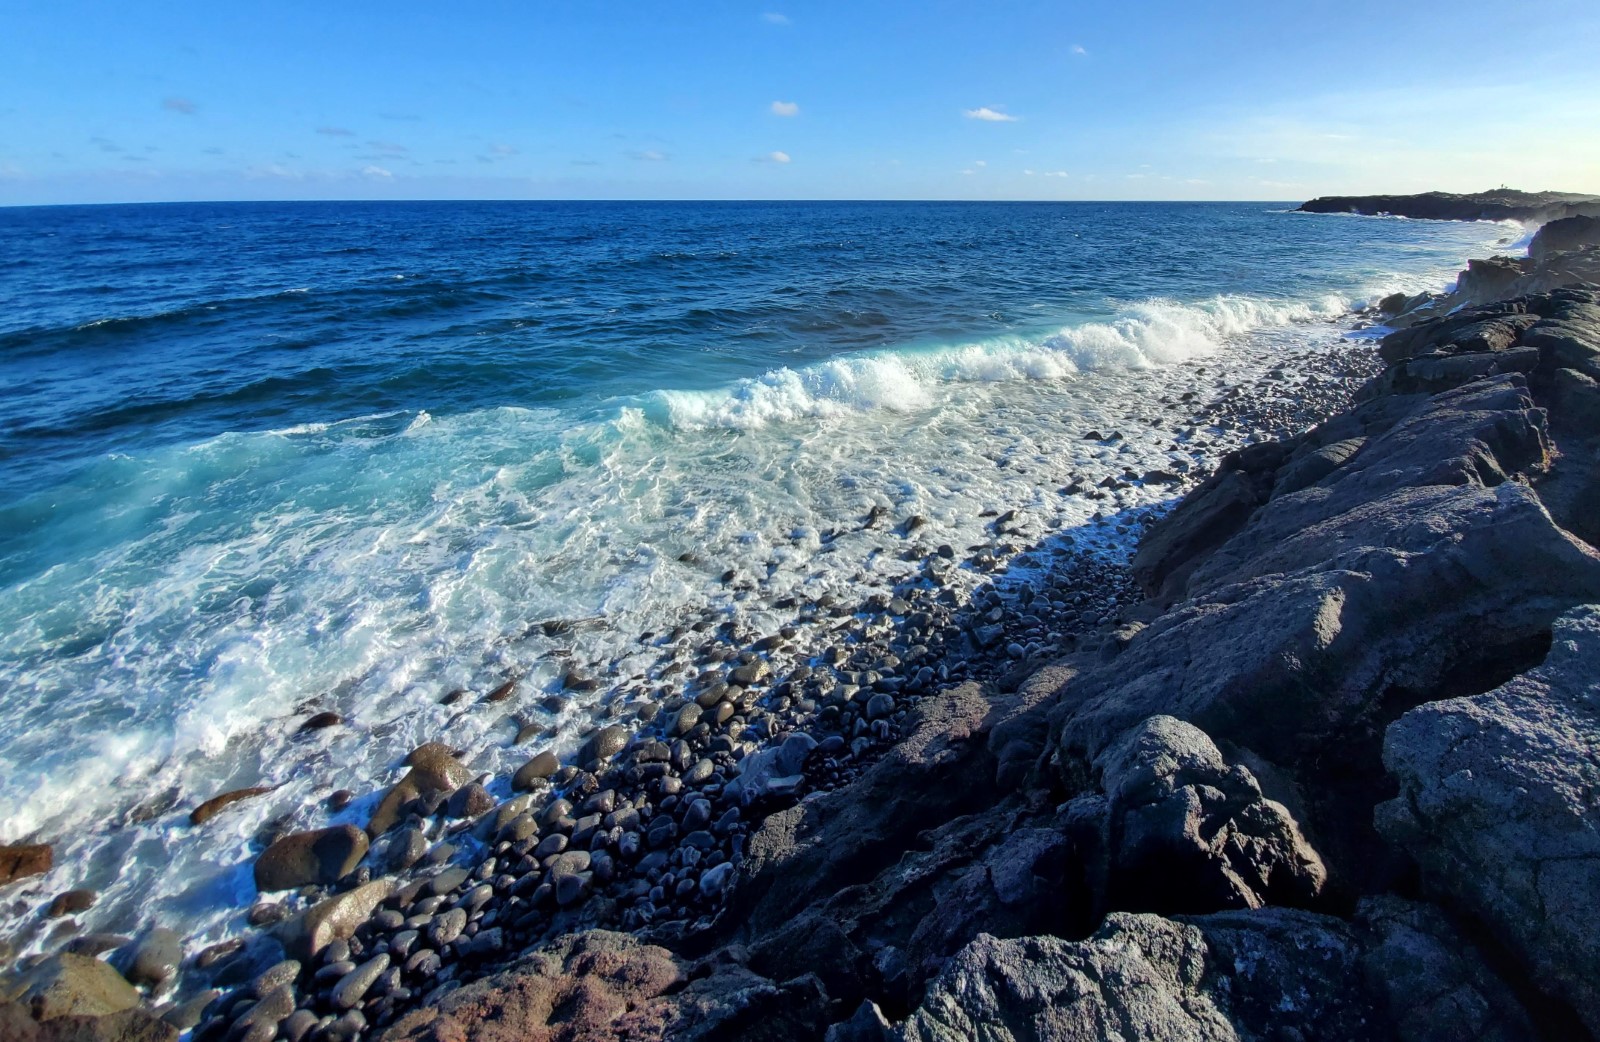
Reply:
x=262, y=458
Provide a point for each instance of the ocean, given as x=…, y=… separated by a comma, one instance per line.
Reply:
x=263, y=460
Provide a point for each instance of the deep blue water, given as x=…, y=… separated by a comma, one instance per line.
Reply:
x=258, y=457
x=132, y=326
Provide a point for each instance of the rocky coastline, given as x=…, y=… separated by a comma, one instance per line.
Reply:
x=1320, y=762
x=1504, y=204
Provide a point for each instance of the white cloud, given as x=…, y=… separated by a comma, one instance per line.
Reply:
x=981, y=162
x=990, y=115
x=1079, y=49
x=774, y=18
x=1055, y=173
x=785, y=108
x=650, y=155
x=375, y=172
x=773, y=157
x=968, y=171
x=180, y=105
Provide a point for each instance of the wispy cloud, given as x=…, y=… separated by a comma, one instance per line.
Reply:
x=105, y=145
x=774, y=18
x=1079, y=49
x=336, y=132
x=388, y=147
x=273, y=171
x=377, y=173
x=650, y=155
x=786, y=108
x=180, y=105
x=990, y=115
x=773, y=157
x=1046, y=173
x=980, y=162
x=585, y=162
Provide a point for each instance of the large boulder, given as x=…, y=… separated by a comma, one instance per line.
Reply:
x=73, y=985
x=1568, y=233
x=322, y=856
x=1177, y=828
x=1497, y=805
x=1269, y=974
x=128, y=1025
x=1397, y=971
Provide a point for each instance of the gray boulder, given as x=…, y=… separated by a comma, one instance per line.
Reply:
x=1178, y=829
x=1497, y=805
x=1234, y=976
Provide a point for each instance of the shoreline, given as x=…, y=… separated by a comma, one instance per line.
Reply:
x=890, y=706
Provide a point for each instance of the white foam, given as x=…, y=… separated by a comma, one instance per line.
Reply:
x=1154, y=332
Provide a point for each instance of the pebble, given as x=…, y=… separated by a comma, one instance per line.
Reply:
x=352, y=987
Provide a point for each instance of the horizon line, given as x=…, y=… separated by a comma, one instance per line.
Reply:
x=458, y=199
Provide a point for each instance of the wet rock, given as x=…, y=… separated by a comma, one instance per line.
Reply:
x=275, y=976
x=70, y=903
x=322, y=856
x=535, y=771
x=434, y=770
x=74, y=985
x=501, y=693
x=320, y=721
x=128, y=1025
x=604, y=744
x=685, y=719
x=153, y=960
x=20, y=860
x=469, y=801
x=263, y=1018
x=353, y=986
x=210, y=808
x=336, y=918
x=94, y=944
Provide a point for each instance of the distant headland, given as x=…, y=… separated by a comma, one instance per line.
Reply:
x=1501, y=204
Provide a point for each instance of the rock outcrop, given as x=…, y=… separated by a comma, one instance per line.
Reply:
x=1498, y=805
x=1501, y=205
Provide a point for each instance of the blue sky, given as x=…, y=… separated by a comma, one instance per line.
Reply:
x=1142, y=99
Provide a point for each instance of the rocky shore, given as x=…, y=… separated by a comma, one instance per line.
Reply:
x=1321, y=762
x=1503, y=204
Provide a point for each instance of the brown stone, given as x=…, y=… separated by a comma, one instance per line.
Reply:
x=210, y=808
x=20, y=860
x=307, y=858
x=70, y=903
x=434, y=768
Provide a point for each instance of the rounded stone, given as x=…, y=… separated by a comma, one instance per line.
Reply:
x=321, y=856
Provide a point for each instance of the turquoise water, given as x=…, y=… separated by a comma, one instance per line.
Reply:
x=256, y=458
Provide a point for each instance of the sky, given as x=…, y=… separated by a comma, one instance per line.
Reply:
x=868, y=99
